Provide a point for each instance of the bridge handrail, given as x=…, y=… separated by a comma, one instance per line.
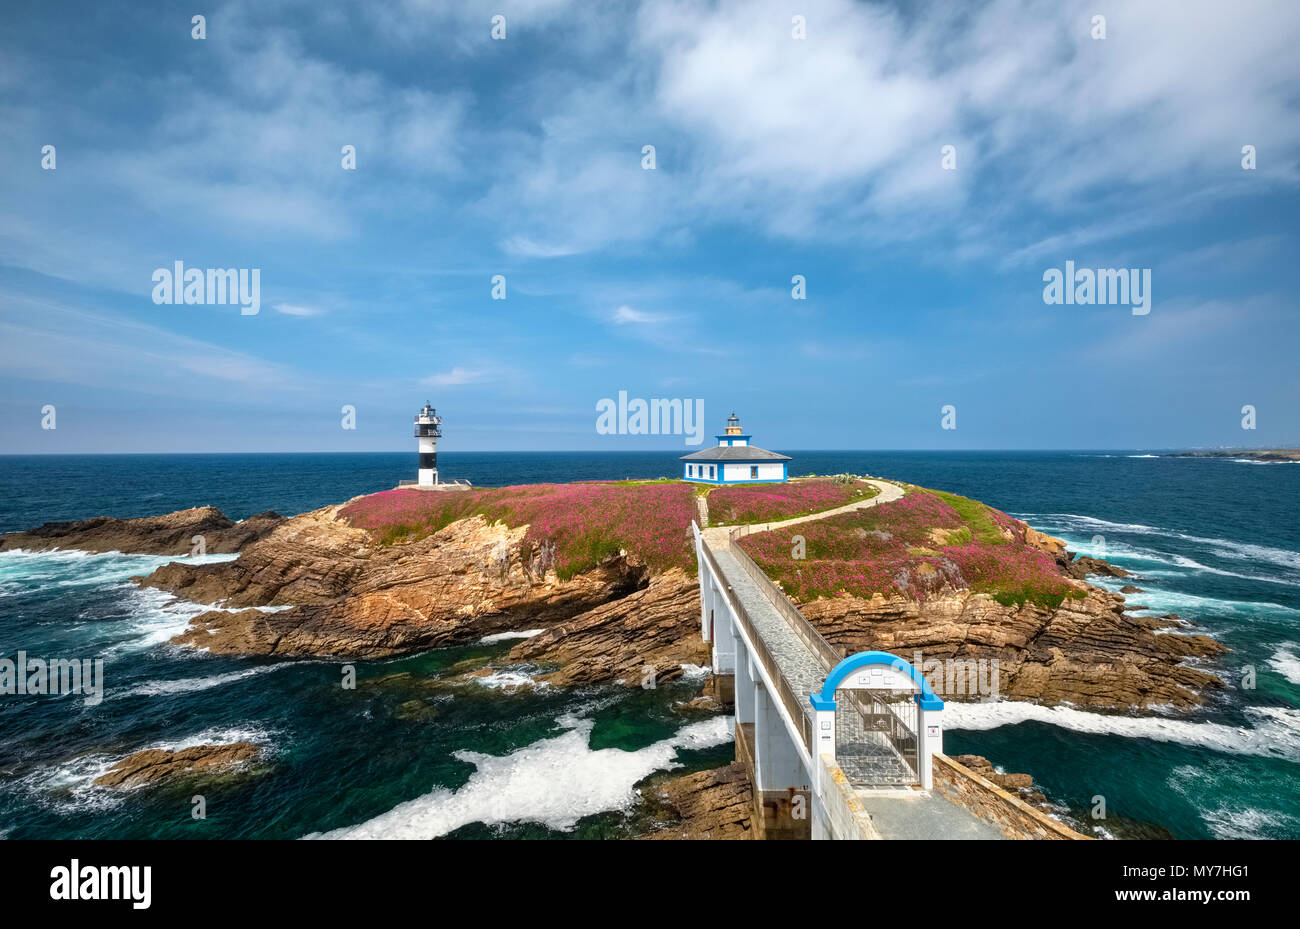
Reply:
x=796, y=707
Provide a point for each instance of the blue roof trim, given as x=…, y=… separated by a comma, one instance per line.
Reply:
x=825, y=700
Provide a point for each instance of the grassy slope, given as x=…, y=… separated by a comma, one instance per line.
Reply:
x=920, y=545
x=573, y=526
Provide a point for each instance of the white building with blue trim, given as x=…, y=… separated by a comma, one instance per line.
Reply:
x=735, y=461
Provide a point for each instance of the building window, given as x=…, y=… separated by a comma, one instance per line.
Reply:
x=710, y=472
x=753, y=470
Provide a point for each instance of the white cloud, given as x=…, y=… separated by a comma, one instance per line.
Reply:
x=456, y=377
x=294, y=309
x=626, y=314
x=46, y=341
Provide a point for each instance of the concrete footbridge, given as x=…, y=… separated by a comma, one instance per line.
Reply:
x=837, y=747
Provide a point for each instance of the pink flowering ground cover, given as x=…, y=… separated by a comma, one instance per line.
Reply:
x=893, y=548
x=582, y=523
x=761, y=503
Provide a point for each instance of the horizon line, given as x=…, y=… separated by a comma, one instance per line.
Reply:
x=651, y=451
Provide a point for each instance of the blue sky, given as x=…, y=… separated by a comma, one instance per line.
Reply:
x=522, y=157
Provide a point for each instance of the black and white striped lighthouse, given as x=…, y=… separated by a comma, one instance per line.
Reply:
x=428, y=430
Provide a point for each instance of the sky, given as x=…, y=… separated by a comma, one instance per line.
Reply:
x=777, y=159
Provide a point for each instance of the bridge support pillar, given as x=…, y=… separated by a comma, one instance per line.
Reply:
x=724, y=636
x=781, y=785
x=744, y=687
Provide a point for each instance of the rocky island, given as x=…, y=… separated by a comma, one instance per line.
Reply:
x=606, y=572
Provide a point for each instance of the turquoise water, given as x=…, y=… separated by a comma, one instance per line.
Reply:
x=417, y=750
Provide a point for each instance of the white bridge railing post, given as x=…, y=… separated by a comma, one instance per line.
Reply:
x=929, y=736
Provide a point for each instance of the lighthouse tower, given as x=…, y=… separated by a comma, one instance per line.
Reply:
x=428, y=430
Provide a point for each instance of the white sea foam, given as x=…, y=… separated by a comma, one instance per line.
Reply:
x=509, y=680
x=1224, y=548
x=1275, y=732
x=1159, y=602
x=156, y=617
x=555, y=781
x=62, y=568
x=695, y=672
x=192, y=684
x=1286, y=662
x=1143, y=456
x=507, y=636
x=69, y=785
x=1228, y=822
x=1209, y=789
x=222, y=735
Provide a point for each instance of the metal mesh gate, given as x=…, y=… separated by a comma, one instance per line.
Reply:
x=875, y=737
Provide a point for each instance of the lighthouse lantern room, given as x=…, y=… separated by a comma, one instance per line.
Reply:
x=428, y=429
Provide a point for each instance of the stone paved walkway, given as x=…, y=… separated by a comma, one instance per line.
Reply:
x=797, y=664
x=918, y=814
x=717, y=535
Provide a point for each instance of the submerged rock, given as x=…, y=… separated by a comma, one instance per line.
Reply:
x=154, y=765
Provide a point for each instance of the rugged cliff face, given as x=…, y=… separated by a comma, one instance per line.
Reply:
x=714, y=804
x=343, y=594
x=1088, y=652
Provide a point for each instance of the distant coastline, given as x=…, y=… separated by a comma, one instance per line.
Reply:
x=1254, y=454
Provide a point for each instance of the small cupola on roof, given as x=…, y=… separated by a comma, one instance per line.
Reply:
x=733, y=434
x=735, y=461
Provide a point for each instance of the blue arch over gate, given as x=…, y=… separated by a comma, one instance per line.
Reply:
x=825, y=700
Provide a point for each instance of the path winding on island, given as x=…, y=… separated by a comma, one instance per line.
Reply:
x=887, y=493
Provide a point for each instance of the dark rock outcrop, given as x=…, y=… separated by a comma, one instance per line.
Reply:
x=155, y=765
x=1080, y=566
x=170, y=534
x=656, y=628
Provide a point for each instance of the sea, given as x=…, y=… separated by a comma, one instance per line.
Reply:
x=417, y=751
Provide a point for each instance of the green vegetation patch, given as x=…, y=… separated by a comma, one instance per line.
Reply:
x=571, y=527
